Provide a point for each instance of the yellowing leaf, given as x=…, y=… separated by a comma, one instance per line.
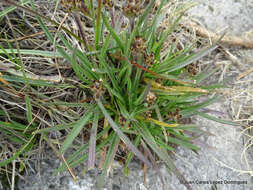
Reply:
x=162, y=123
x=188, y=89
x=7, y=86
x=175, y=88
x=3, y=81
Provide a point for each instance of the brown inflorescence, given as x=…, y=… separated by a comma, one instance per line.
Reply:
x=138, y=45
x=192, y=69
x=150, y=99
x=149, y=59
x=175, y=115
x=132, y=9
x=71, y=5
x=108, y=4
x=122, y=120
x=97, y=88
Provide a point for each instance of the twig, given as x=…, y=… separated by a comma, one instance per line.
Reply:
x=245, y=73
x=229, y=40
x=13, y=175
x=103, y=151
x=231, y=57
x=62, y=158
x=26, y=37
x=31, y=122
x=10, y=2
x=27, y=22
x=81, y=29
x=6, y=173
x=224, y=72
x=54, y=45
x=17, y=105
x=7, y=84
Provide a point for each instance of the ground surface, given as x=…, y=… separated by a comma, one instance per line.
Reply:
x=234, y=16
x=226, y=147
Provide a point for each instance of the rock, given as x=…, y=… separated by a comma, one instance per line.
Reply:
x=233, y=16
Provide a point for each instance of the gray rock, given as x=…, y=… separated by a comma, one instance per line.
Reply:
x=234, y=16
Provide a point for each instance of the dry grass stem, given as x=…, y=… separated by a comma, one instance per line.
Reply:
x=245, y=73
x=227, y=40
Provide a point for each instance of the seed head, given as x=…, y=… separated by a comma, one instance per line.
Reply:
x=139, y=45
x=151, y=98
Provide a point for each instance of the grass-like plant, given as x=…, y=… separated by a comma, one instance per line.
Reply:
x=138, y=94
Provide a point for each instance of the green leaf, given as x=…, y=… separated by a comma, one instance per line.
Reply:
x=98, y=24
x=112, y=32
x=75, y=131
x=137, y=26
x=143, y=95
x=114, y=92
x=183, y=143
x=158, y=47
x=217, y=119
x=73, y=160
x=13, y=125
x=15, y=155
x=130, y=155
x=122, y=136
x=204, y=75
x=78, y=69
x=12, y=8
x=28, y=109
x=163, y=155
x=109, y=72
x=173, y=59
x=190, y=109
x=45, y=29
x=164, y=145
x=92, y=142
x=32, y=52
x=56, y=128
x=154, y=22
x=192, y=58
x=109, y=159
